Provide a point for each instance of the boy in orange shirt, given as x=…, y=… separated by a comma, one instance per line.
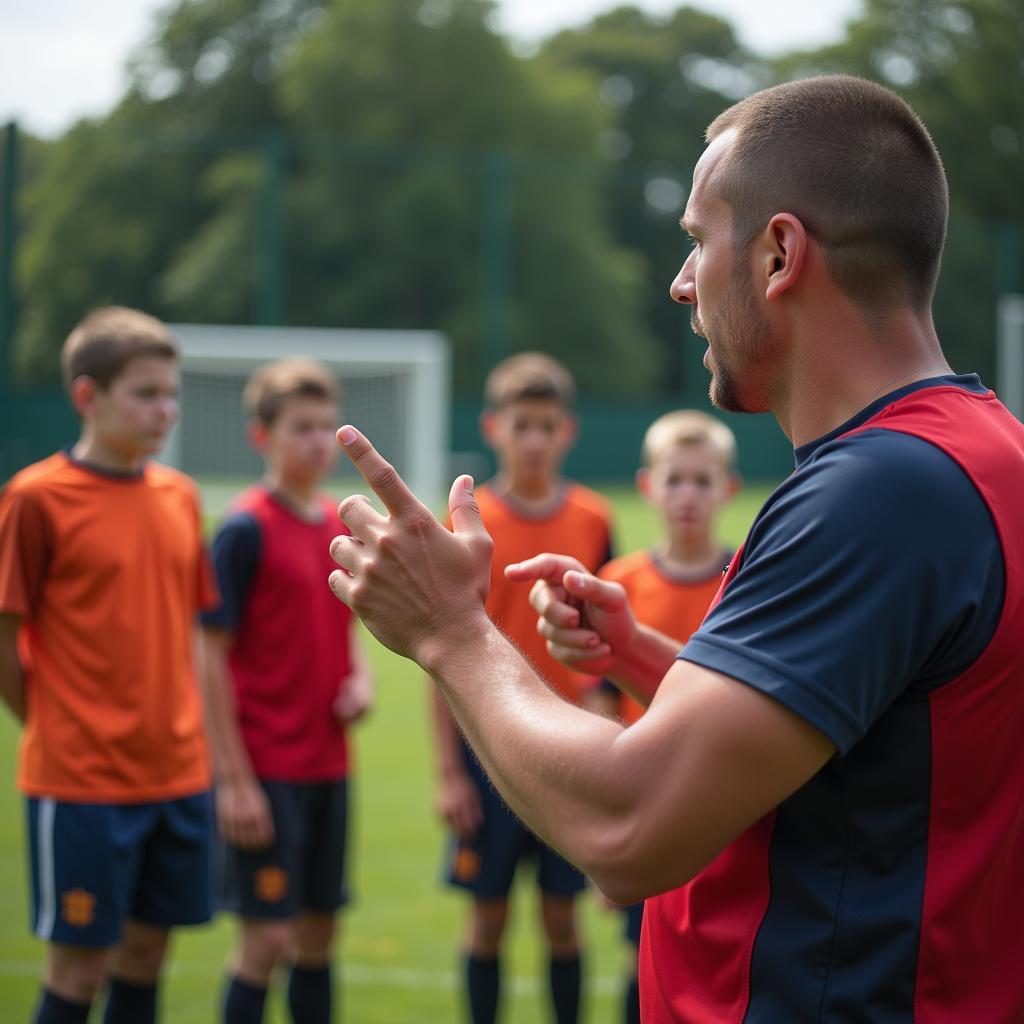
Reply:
x=527, y=507
x=688, y=474
x=102, y=575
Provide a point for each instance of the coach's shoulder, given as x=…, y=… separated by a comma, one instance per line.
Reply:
x=881, y=463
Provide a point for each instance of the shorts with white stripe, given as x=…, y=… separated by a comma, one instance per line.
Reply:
x=95, y=865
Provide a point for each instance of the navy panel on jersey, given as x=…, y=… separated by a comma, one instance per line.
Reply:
x=821, y=625
x=236, y=557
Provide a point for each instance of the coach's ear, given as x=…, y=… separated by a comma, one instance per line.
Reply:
x=780, y=253
x=643, y=482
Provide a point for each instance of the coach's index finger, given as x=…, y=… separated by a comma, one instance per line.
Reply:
x=378, y=472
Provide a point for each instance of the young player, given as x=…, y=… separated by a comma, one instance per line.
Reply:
x=688, y=474
x=285, y=676
x=528, y=506
x=102, y=574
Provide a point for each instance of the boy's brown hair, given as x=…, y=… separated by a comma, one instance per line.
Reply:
x=104, y=341
x=687, y=428
x=275, y=383
x=529, y=376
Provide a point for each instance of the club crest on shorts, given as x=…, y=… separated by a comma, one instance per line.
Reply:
x=271, y=884
x=467, y=864
x=78, y=908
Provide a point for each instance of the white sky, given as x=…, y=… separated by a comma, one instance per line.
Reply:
x=64, y=59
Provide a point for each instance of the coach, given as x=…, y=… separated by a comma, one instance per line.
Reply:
x=824, y=804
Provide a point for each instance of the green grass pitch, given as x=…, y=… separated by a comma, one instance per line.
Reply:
x=397, y=961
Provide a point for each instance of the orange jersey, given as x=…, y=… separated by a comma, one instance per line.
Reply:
x=581, y=527
x=668, y=601
x=108, y=573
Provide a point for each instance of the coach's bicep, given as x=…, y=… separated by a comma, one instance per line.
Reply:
x=718, y=755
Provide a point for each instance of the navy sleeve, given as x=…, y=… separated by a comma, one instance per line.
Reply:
x=876, y=568
x=236, y=556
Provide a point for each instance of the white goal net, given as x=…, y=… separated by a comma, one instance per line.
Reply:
x=394, y=387
x=1010, y=354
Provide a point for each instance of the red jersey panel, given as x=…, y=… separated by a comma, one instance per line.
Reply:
x=580, y=526
x=667, y=601
x=108, y=573
x=291, y=652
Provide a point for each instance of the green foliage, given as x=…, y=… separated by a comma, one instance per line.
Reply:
x=664, y=79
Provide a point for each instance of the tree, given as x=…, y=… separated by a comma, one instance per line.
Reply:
x=437, y=180
x=117, y=196
x=665, y=79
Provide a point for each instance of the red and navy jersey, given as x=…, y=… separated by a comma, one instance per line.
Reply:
x=880, y=596
x=290, y=654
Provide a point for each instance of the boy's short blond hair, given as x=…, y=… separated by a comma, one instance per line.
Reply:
x=529, y=376
x=688, y=427
x=275, y=383
x=104, y=341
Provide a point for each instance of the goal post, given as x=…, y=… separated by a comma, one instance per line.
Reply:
x=1010, y=353
x=395, y=387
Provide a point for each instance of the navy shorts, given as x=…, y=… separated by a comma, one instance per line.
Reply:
x=95, y=865
x=486, y=864
x=303, y=869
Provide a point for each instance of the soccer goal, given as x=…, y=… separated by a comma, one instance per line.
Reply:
x=394, y=387
x=1010, y=353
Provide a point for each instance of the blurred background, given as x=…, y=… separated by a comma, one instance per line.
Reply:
x=507, y=174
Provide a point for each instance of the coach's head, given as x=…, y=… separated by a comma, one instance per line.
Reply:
x=818, y=213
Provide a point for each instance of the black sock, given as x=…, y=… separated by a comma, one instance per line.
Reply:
x=243, y=1002
x=54, y=1009
x=129, y=1003
x=309, y=994
x=632, y=1004
x=565, y=988
x=483, y=985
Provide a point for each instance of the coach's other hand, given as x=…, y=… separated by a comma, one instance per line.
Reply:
x=415, y=584
x=586, y=621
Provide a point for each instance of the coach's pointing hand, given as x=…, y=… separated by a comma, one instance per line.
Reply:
x=414, y=584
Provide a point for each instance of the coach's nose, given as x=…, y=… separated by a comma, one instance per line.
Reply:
x=683, y=289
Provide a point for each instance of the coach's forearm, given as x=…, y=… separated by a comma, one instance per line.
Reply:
x=556, y=765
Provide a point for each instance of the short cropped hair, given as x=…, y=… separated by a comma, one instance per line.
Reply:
x=275, y=383
x=857, y=166
x=529, y=375
x=686, y=428
x=104, y=341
